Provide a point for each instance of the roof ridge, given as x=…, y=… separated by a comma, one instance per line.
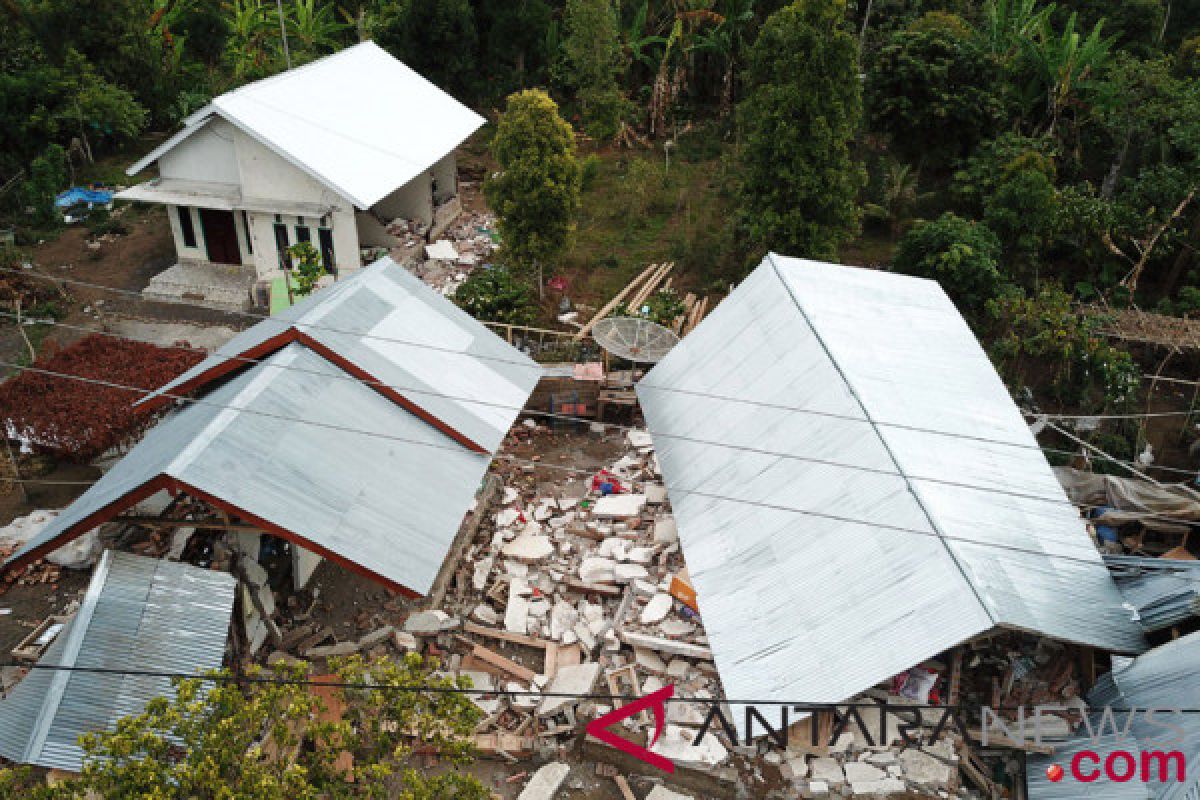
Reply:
x=913, y=490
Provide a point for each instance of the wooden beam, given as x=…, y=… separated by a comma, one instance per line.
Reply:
x=172, y=522
x=611, y=304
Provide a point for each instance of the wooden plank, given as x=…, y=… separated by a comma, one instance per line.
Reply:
x=505, y=636
x=665, y=645
x=611, y=304
x=505, y=665
x=997, y=740
x=623, y=785
x=606, y=589
x=651, y=285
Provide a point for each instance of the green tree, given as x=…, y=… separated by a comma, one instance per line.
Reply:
x=47, y=177
x=535, y=192
x=267, y=740
x=934, y=90
x=437, y=38
x=1022, y=212
x=514, y=52
x=494, y=295
x=591, y=62
x=899, y=196
x=960, y=255
x=306, y=268
x=801, y=112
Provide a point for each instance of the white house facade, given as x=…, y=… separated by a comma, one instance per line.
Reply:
x=327, y=153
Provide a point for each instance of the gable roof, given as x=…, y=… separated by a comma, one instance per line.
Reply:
x=138, y=613
x=359, y=121
x=385, y=326
x=292, y=447
x=863, y=551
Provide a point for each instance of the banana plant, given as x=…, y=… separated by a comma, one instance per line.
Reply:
x=250, y=30
x=899, y=198
x=314, y=26
x=640, y=46
x=727, y=41
x=1009, y=24
x=1064, y=62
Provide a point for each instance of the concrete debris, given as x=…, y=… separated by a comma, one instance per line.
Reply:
x=663, y=793
x=546, y=782
x=657, y=609
x=567, y=685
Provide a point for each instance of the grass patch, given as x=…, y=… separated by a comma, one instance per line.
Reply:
x=637, y=211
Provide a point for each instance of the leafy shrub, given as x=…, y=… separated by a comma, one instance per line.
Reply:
x=960, y=255
x=589, y=170
x=661, y=307
x=1044, y=331
x=494, y=295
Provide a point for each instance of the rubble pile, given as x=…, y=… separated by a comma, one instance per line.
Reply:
x=466, y=244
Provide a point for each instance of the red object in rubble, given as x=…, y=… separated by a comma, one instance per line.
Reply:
x=604, y=476
x=558, y=283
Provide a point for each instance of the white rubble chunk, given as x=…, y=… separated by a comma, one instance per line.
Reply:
x=680, y=745
x=619, y=506
x=639, y=439
x=545, y=783
x=529, y=547
x=859, y=772
x=665, y=530
x=663, y=793
x=516, y=615
x=568, y=684
x=624, y=573
x=674, y=628
x=827, y=770
x=506, y=517
x=510, y=495
x=483, y=568
x=596, y=570
x=657, y=609
x=485, y=614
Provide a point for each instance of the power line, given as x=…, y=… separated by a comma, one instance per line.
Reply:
x=641, y=385
x=577, y=419
x=428, y=689
x=578, y=471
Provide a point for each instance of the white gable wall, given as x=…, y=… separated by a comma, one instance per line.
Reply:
x=207, y=155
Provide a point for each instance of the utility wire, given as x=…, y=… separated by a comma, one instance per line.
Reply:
x=427, y=689
x=573, y=470
x=577, y=419
x=641, y=385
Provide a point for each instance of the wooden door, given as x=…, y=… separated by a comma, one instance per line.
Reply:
x=220, y=235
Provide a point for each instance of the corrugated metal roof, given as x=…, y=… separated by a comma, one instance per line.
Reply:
x=1164, y=678
x=338, y=487
x=818, y=606
x=138, y=613
x=1163, y=591
x=389, y=325
x=359, y=121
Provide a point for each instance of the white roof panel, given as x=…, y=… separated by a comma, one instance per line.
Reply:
x=359, y=121
x=849, y=517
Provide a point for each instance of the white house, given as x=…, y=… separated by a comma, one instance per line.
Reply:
x=328, y=153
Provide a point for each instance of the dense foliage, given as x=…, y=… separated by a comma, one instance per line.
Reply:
x=78, y=421
x=494, y=295
x=275, y=738
x=799, y=118
x=962, y=256
x=535, y=190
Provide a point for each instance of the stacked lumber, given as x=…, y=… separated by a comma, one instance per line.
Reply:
x=638, y=291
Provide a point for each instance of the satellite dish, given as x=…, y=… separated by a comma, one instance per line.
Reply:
x=638, y=340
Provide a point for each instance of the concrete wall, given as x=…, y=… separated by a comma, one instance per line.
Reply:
x=371, y=233
x=206, y=156
x=414, y=200
x=185, y=253
x=445, y=179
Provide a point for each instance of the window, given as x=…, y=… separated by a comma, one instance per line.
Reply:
x=246, y=228
x=325, y=240
x=185, y=226
x=303, y=232
x=281, y=245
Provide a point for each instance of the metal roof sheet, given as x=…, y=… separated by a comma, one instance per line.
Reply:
x=394, y=329
x=1164, y=679
x=138, y=613
x=808, y=590
x=359, y=121
x=367, y=483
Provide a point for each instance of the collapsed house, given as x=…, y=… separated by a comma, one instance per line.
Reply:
x=332, y=153
x=357, y=427
x=1150, y=705
x=137, y=613
x=870, y=498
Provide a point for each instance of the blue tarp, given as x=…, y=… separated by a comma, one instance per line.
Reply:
x=78, y=194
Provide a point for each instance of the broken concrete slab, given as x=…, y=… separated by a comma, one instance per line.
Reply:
x=546, y=782
x=663, y=793
x=657, y=609
x=570, y=682
x=827, y=770
x=427, y=623
x=860, y=772
x=619, y=506
x=597, y=570
x=683, y=746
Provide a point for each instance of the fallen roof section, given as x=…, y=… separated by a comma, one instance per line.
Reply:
x=1161, y=681
x=138, y=613
x=359, y=121
x=385, y=326
x=294, y=448
x=856, y=491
